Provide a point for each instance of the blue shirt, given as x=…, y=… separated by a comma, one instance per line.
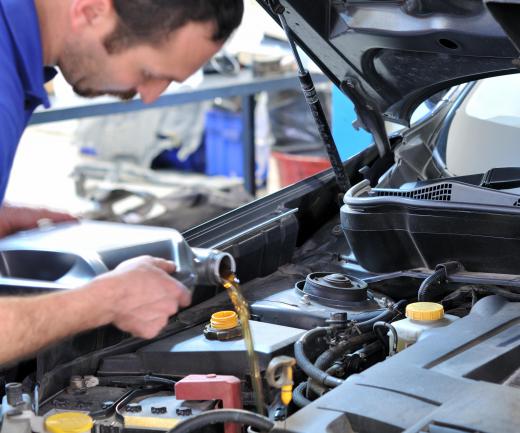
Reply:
x=22, y=77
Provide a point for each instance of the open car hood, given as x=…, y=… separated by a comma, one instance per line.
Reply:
x=389, y=56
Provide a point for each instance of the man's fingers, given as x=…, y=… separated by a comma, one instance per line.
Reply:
x=139, y=319
x=149, y=329
x=152, y=328
x=146, y=261
x=151, y=295
x=166, y=265
x=181, y=293
x=164, y=307
x=174, y=289
x=177, y=289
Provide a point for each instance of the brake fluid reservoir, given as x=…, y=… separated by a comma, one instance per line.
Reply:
x=420, y=317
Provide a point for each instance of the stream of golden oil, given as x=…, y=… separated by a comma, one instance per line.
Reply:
x=232, y=286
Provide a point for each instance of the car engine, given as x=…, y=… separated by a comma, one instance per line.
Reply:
x=368, y=357
x=384, y=297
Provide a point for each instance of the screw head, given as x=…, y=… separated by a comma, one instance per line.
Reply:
x=305, y=299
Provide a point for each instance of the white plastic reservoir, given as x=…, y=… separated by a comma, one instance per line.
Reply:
x=420, y=317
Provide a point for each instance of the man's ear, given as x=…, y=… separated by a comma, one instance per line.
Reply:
x=92, y=14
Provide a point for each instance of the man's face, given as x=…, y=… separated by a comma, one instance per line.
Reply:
x=141, y=69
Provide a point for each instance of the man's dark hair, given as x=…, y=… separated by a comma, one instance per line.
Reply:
x=152, y=21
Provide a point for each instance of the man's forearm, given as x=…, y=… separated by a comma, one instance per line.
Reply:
x=30, y=323
x=138, y=297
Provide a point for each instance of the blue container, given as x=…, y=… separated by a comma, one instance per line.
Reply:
x=223, y=144
x=168, y=159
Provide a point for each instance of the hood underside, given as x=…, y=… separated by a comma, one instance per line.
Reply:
x=389, y=56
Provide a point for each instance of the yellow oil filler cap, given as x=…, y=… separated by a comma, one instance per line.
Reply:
x=69, y=422
x=425, y=311
x=224, y=320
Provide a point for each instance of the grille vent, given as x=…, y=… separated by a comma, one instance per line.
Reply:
x=440, y=192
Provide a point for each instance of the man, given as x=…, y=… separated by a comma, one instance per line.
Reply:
x=117, y=47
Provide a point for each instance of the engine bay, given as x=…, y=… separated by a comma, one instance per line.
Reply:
x=357, y=366
x=383, y=298
x=383, y=294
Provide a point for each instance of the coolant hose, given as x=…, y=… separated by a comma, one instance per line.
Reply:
x=306, y=365
x=314, y=371
x=316, y=374
x=299, y=398
x=327, y=358
x=219, y=416
x=385, y=316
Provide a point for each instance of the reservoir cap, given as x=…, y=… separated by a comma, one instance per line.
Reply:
x=425, y=311
x=69, y=422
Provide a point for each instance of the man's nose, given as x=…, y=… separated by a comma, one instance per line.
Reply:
x=151, y=90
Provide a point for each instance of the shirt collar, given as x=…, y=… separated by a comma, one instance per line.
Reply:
x=22, y=20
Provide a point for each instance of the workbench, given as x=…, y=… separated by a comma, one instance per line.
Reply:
x=244, y=85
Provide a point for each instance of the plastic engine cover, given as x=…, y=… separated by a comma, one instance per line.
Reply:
x=190, y=352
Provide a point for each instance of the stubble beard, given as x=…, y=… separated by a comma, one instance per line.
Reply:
x=80, y=67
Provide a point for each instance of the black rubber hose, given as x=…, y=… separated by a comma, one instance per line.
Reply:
x=385, y=316
x=430, y=290
x=298, y=395
x=371, y=349
x=334, y=369
x=318, y=378
x=306, y=365
x=315, y=372
x=315, y=390
x=365, y=315
x=330, y=355
x=327, y=358
x=219, y=416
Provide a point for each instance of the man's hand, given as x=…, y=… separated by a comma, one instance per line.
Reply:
x=16, y=218
x=140, y=295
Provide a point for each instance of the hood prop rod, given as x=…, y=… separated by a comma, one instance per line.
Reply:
x=314, y=103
